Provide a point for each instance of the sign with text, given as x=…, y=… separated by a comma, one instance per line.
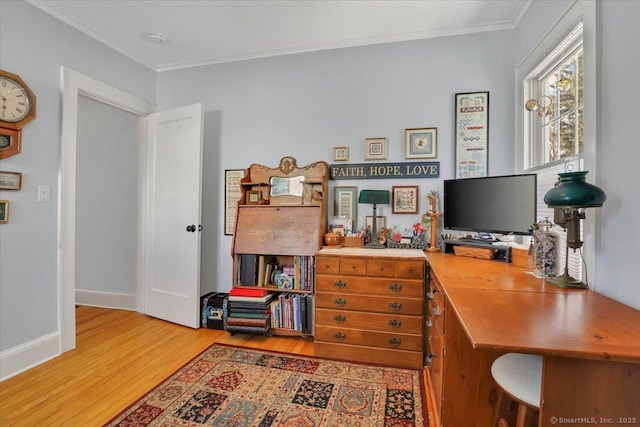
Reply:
x=385, y=170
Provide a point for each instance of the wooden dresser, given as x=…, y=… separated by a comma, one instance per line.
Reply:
x=370, y=305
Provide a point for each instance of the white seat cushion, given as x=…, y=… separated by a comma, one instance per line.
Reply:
x=520, y=375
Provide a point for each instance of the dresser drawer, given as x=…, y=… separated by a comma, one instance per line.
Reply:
x=369, y=321
x=380, y=304
x=370, y=338
x=381, y=268
x=378, y=356
x=370, y=286
x=354, y=266
x=436, y=314
x=327, y=265
x=410, y=269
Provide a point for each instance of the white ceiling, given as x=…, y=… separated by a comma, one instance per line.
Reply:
x=201, y=32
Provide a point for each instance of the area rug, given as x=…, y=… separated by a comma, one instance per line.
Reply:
x=236, y=386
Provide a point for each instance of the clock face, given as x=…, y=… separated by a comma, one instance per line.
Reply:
x=15, y=103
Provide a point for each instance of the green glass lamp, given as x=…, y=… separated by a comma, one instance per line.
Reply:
x=374, y=197
x=571, y=195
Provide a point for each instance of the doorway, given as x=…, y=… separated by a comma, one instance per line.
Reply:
x=73, y=86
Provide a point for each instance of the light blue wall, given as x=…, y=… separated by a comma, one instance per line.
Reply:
x=618, y=152
x=303, y=105
x=34, y=45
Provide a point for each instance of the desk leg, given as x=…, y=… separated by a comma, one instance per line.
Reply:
x=587, y=390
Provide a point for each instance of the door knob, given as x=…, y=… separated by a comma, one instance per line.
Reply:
x=191, y=228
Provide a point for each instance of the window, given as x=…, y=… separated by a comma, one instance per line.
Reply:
x=555, y=103
x=560, y=132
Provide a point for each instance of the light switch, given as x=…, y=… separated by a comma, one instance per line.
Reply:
x=43, y=193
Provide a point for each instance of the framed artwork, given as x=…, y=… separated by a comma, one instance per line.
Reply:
x=381, y=222
x=345, y=204
x=421, y=143
x=10, y=180
x=340, y=154
x=376, y=148
x=4, y=211
x=253, y=197
x=472, y=134
x=232, y=195
x=404, y=199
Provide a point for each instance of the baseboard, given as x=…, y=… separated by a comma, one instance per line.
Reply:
x=28, y=355
x=106, y=299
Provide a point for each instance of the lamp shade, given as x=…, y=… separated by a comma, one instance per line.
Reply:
x=375, y=197
x=574, y=192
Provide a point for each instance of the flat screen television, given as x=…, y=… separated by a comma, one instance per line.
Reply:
x=496, y=204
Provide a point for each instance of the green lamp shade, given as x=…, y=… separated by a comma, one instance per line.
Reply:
x=375, y=197
x=574, y=192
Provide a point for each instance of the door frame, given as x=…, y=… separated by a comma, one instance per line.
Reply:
x=74, y=84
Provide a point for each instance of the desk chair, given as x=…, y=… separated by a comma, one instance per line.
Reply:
x=520, y=379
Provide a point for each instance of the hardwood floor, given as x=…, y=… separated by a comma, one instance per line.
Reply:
x=119, y=356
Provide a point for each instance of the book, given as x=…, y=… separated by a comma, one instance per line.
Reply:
x=246, y=321
x=248, y=292
x=260, y=330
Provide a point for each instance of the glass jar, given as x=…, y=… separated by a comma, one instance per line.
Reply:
x=545, y=250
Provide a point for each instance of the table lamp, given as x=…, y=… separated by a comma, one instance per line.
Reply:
x=374, y=197
x=569, y=198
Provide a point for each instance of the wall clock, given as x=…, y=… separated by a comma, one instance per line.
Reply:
x=17, y=108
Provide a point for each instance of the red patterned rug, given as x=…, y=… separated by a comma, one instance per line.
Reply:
x=236, y=386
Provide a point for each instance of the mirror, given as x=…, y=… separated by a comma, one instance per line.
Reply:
x=293, y=186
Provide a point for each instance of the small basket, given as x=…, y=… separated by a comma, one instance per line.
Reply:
x=483, y=253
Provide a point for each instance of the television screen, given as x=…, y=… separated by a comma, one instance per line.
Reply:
x=498, y=204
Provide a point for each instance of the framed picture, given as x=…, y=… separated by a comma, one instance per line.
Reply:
x=345, y=204
x=253, y=197
x=376, y=148
x=421, y=143
x=381, y=222
x=472, y=134
x=340, y=154
x=4, y=211
x=10, y=180
x=232, y=195
x=404, y=199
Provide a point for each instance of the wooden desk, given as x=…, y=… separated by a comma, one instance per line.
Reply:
x=590, y=344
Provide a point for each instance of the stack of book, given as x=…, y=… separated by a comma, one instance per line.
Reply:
x=249, y=311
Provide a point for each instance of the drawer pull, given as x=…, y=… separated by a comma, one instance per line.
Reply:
x=395, y=323
x=429, y=323
x=339, y=336
x=340, y=301
x=395, y=306
x=394, y=341
x=340, y=284
x=429, y=295
x=395, y=287
x=436, y=311
x=339, y=318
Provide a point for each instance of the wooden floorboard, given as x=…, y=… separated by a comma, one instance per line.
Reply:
x=119, y=356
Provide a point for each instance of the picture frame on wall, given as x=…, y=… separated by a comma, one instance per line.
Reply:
x=340, y=154
x=404, y=199
x=421, y=143
x=345, y=204
x=376, y=148
x=10, y=180
x=232, y=195
x=4, y=211
x=471, y=134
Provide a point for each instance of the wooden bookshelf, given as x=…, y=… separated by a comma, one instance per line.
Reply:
x=282, y=216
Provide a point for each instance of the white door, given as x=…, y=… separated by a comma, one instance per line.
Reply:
x=172, y=215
